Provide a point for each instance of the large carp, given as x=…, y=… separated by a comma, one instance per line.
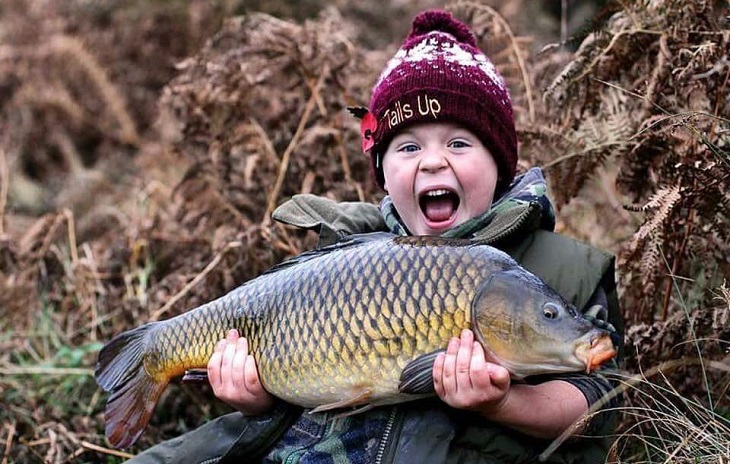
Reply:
x=357, y=324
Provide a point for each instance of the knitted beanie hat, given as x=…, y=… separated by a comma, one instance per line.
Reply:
x=439, y=74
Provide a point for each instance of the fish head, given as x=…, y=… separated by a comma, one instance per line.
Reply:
x=528, y=328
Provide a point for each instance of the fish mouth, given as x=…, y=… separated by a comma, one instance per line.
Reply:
x=439, y=205
x=596, y=352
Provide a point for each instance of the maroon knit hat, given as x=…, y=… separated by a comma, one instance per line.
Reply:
x=439, y=74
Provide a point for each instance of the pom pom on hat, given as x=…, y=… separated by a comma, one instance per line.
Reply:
x=442, y=21
x=439, y=75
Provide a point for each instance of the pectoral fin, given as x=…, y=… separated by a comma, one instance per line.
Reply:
x=417, y=377
x=195, y=376
x=362, y=397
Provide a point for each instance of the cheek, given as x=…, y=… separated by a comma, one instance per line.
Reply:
x=396, y=178
x=479, y=181
x=479, y=191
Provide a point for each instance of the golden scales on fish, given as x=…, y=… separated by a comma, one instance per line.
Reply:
x=357, y=324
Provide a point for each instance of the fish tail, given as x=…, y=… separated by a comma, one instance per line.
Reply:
x=134, y=392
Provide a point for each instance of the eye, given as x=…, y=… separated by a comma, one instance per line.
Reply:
x=459, y=143
x=550, y=311
x=408, y=147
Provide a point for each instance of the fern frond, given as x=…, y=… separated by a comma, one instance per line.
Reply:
x=660, y=206
x=651, y=261
x=589, y=146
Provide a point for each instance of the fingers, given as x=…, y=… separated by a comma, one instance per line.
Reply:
x=231, y=365
x=239, y=363
x=229, y=356
x=226, y=365
x=214, y=364
x=251, y=376
x=484, y=374
x=456, y=364
x=234, y=377
x=452, y=370
x=499, y=376
x=479, y=369
x=463, y=359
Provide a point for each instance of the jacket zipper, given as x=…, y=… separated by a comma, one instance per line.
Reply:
x=386, y=435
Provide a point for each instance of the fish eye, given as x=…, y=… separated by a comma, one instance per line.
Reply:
x=550, y=311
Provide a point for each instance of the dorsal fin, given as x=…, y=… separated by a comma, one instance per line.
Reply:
x=349, y=241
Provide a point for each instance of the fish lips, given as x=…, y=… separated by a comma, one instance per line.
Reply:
x=596, y=350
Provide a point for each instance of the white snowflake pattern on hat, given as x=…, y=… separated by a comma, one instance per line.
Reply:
x=432, y=47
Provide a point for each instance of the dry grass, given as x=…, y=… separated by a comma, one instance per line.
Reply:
x=145, y=145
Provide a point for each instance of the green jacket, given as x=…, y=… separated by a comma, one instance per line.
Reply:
x=428, y=430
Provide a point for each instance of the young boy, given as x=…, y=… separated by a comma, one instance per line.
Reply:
x=441, y=137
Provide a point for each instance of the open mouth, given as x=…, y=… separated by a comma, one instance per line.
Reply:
x=439, y=205
x=596, y=352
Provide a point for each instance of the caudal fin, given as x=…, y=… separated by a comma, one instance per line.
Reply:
x=134, y=393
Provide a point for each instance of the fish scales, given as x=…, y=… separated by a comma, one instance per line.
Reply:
x=368, y=340
x=338, y=327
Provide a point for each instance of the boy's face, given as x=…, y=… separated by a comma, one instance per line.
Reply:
x=438, y=175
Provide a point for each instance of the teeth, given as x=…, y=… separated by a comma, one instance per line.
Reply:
x=435, y=193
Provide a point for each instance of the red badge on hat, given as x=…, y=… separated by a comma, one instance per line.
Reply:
x=368, y=126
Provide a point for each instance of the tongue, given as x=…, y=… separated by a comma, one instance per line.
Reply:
x=438, y=209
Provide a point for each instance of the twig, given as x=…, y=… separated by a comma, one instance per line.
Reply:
x=308, y=182
x=71, y=225
x=90, y=259
x=661, y=61
x=4, y=180
x=270, y=150
x=102, y=449
x=196, y=280
x=71, y=155
x=284, y=242
x=19, y=370
x=345, y=162
x=48, y=238
x=274, y=194
x=585, y=152
x=314, y=88
x=8, y=441
x=93, y=402
x=52, y=446
x=72, y=457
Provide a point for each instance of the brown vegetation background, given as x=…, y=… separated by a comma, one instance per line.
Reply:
x=144, y=144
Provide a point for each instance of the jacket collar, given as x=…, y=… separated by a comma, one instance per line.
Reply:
x=526, y=198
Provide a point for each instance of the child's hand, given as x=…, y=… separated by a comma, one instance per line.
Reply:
x=465, y=380
x=235, y=380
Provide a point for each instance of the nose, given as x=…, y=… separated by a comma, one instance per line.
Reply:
x=433, y=160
